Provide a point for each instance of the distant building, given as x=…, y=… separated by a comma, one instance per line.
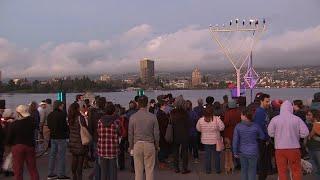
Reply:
x=44, y=82
x=196, y=77
x=180, y=84
x=20, y=82
x=55, y=80
x=147, y=71
x=67, y=78
x=129, y=81
x=16, y=81
x=0, y=76
x=105, y=78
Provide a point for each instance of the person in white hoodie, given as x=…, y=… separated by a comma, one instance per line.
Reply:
x=287, y=129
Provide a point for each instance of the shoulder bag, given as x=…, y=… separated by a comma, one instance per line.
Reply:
x=220, y=143
x=84, y=133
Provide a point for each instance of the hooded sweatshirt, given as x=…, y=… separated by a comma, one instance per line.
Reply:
x=245, y=138
x=108, y=136
x=287, y=129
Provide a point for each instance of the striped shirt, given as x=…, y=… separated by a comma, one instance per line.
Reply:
x=210, y=131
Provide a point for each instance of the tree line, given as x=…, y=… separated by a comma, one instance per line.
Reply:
x=68, y=85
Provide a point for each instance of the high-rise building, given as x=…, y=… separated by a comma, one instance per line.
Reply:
x=196, y=77
x=105, y=78
x=147, y=71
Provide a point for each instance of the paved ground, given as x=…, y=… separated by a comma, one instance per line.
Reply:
x=197, y=173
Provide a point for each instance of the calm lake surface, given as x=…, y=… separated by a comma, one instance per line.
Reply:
x=123, y=98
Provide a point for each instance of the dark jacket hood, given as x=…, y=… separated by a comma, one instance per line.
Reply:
x=107, y=120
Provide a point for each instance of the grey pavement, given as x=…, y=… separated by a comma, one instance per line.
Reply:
x=196, y=174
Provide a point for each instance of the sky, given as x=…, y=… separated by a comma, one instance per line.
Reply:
x=66, y=37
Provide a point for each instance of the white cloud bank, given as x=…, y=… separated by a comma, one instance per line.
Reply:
x=181, y=50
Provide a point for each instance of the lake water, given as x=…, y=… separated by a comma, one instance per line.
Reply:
x=123, y=98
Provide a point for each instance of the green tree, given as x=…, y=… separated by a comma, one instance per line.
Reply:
x=11, y=85
x=222, y=85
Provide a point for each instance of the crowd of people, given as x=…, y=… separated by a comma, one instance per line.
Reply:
x=263, y=138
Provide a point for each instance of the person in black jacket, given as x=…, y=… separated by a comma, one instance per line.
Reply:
x=181, y=126
x=298, y=109
x=163, y=121
x=34, y=113
x=20, y=136
x=77, y=150
x=59, y=133
x=152, y=107
x=94, y=115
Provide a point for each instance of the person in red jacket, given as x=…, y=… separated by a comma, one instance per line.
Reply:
x=231, y=118
x=123, y=146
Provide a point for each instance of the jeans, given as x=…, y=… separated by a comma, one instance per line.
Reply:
x=58, y=152
x=248, y=167
x=36, y=134
x=132, y=163
x=183, y=155
x=21, y=154
x=144, y=155
x=121, y=157
x=194, y=147
x=315, y=156
x=163, y=154
x=209, y=149
x=97, y=169
x=264, y=160
x=108, y=169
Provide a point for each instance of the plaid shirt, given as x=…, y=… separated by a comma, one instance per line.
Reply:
x=108, y=140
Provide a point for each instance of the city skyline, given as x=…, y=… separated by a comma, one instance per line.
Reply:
x=306, y=77
x=158, y=73
x=52, y=38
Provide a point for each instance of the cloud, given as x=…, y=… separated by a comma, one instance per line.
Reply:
x=177, y=51
x=291, y=48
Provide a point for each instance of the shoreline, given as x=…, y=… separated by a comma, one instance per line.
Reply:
x=147, y=90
